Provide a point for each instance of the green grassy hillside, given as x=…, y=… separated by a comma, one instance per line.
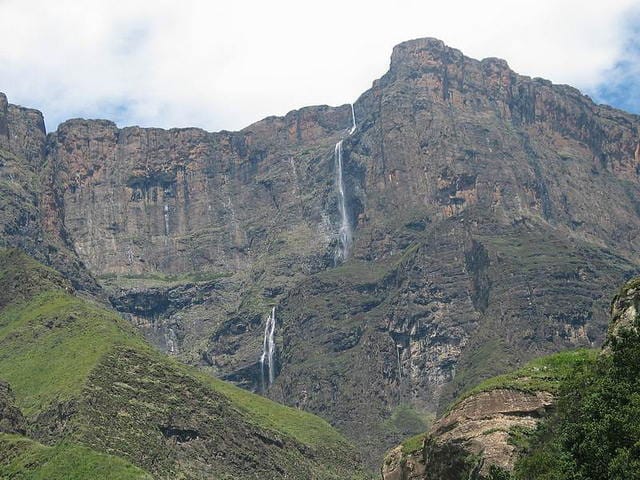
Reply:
x=82, y=376
x=544, y=374
x=24, y=459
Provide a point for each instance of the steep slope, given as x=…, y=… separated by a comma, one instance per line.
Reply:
x=483, y=429
x=414, y=338
x=218, y=225
x=81, y=376
x=31, y=215
x=500, y=211
x=491, y=213
x=22, y=458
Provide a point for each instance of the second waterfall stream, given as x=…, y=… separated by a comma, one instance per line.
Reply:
x=345, y=234
x=268, y=350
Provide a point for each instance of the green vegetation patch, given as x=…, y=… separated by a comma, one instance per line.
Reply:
x=355, y=272
x=160, y=279
x=24, y=459
x=543, y=374
x=50, y=344
x=413, y=444
x=405, y=419
x=134, y=401
x=302, y=426
x=21, y=277
x=595, y=429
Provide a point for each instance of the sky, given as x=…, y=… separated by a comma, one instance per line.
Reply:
x=225, y=64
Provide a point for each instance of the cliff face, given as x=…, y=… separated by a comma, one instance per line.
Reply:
x=148, y=200
x=30, y=210
x=625, y=308
x=491, y=214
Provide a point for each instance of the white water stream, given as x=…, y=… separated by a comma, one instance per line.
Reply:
x=345, y=234
x=268, y=350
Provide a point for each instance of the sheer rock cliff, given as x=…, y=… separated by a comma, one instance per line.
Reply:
x=491, y=212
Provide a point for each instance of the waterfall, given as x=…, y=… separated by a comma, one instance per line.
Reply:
x=172, y=341
x=166, y=220
x=345, y=234
x=353, y=121
x=268, y=350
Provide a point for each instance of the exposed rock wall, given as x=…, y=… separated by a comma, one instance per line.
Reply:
x=149, y=200
x=22, y=132
x=625, y=308
x=31, y=214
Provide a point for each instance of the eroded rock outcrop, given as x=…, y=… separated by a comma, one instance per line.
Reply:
x=625, y=307
x=476, y=432
x=31, y=215
x=11, y=418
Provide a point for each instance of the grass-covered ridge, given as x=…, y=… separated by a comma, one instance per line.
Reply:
x=25, y=459
x=83, y=376
x=22, y=278
x=50, y=344
x=298, y=424
x=541, y=374
x=413, y=444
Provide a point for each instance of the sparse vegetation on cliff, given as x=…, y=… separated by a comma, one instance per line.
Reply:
x=544, y=374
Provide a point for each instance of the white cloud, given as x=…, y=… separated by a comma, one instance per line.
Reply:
x=223, y=65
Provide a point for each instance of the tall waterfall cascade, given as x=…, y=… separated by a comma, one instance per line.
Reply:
x=268, y=351
x=345, y=234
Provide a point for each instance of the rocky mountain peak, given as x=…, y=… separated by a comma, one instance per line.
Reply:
x=423, y=52
x=22, y=131
x=431, y=54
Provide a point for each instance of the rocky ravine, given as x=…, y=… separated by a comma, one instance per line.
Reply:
x=491, y=214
